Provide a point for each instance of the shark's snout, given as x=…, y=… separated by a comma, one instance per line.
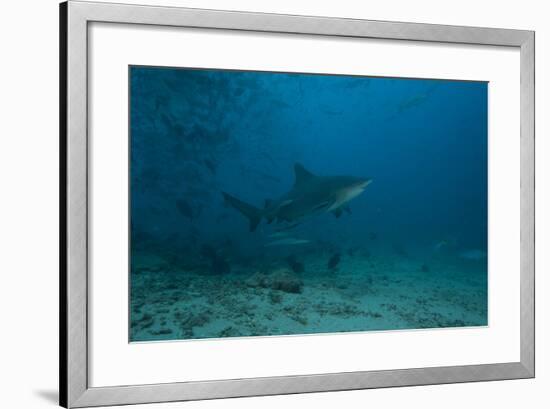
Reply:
x=362, y=184
x=352, y=190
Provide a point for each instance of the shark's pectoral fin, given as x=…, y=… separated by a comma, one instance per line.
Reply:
x=339, y=210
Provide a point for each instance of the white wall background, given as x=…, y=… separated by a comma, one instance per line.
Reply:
x=28, y=202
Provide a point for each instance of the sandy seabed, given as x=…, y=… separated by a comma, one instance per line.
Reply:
x=361, y=294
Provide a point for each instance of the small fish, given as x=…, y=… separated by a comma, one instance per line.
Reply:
x=441, y=244
x=294, y=264
x=411, y=102
x=331, y=111
x=334, y=261
x=210, y=165
x=278, y=234
x=160, y=101
x=289, y=241
x=473, y=255
x=208, y=251
x=399, y=249
x=220, y=266
x=185, y=208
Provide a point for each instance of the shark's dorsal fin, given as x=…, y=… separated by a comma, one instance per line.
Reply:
x=301, y=174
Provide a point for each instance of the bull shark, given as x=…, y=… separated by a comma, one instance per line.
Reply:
x=310, y=194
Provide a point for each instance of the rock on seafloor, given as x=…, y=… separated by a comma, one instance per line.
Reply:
x=279, y=279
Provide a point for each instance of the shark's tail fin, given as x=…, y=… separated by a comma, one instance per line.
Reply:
x=253, y=214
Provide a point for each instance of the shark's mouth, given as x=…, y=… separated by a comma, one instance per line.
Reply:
x=354, y=191
x=347, y=194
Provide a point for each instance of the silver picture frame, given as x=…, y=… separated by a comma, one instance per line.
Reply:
x=75, y=16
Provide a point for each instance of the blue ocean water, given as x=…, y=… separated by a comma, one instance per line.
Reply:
x=213, y=151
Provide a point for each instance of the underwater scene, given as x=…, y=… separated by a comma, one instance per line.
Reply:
x=267, y=203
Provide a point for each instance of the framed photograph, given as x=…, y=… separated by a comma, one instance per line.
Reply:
x=259, y=204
